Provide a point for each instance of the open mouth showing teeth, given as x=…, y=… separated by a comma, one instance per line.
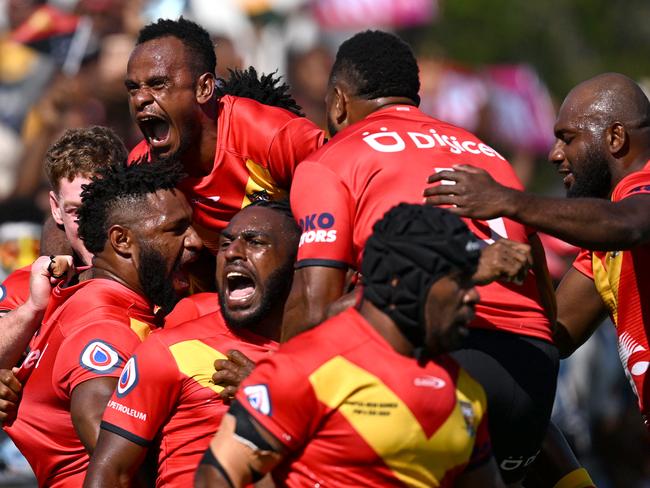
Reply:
x=155, y=129
x=240, y=286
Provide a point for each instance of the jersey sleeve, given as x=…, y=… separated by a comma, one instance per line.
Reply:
x=280, y=398
x=296, y=140
x=583, y=263
x=482, y=451
x=14, y=290
x=94, y=351
x=145, y=395
x=634, y=184
x=322, y=204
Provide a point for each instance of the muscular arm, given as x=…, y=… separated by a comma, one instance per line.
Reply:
x=114, y=462
x=18, y=327
x=236, y=458
x=87, y=404
x=543, y=278
x=580, y=310
x=621, y=225
x=314, y=289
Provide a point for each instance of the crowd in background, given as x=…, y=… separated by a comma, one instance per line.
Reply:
x=62, y=65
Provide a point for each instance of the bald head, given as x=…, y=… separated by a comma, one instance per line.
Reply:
x=608, y=98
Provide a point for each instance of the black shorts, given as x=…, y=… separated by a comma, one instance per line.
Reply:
x=519, y=375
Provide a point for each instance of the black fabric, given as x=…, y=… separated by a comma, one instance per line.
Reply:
x=245, y=428
x=209, y=459
x=519, y=376
x=410, y=248
x=125, y=433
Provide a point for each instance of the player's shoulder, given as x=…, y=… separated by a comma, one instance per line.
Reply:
x=249, y=111
x=199, y=328
x=636, y=183
x=14, y=290
x=191, y=308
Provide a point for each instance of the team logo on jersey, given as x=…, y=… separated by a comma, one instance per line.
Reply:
x=99, y=357
x=430, y=382
x=468, y=414
x=258, y=397
x=3, y=292
x=128, y=378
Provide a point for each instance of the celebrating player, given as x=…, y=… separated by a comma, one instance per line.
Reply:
x=602, y=151
x=69, y=163
x=166, y=399
x=139, y=229
x=369, y=398
x=383, y=153
x=232, y=148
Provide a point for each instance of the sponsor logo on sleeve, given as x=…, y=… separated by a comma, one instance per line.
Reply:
x=258, y=398
x=317, y=228
x=131, y=412
x=99, y=357
x=430, y=382
x=128, y=378
x=3, y=292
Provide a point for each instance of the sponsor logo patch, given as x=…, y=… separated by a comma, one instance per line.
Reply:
x=258, y=397
x=430, y=382
x=3, y=292
x=99, y=357
x=128, y=378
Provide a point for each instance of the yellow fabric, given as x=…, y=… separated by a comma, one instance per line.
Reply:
x=387, y=424
x=260, y=179
x=606, y=280
x=578, y=478
x=140, y=328
x=195, y=359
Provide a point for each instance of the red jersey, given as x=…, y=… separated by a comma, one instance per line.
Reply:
x=14, y=290
x=258, y=148
x=622, y=279
x=340, y=191
x=191, y=308
x=352, y=411
x=166, y=398
x=93, y=328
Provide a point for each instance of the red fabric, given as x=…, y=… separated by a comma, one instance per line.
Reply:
x=86, y=334
x=623, y=280
x=14, y=290
x=191, y=308
x=327, y=434
x=340, y=191
x=157, y=404
x=247, y=132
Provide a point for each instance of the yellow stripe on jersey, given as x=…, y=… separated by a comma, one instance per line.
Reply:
x=260, y=179
x=386, y=423
x=195, y=359
x=141, y=329
x=606, y=280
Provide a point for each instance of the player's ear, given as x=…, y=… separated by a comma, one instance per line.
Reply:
x=121, y=240
x=617, y=138
x=205, y=87
x=55, y=208
x=340, y=104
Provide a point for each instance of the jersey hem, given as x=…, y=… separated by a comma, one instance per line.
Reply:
x=328, y=263
x=125, y=433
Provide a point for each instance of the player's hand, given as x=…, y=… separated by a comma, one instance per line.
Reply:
x=46, y=272
x=9, y=395
x=505, y=260
x=231, y=372
x=473, y=193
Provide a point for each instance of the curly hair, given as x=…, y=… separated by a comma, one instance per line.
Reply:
x=195, y=38
x=378, y=64
x=266, y=89
x=117, y=191
x=82, y=152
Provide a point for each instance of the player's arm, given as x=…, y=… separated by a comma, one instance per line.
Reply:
x=19, y=325
x=621, y=225
x=87, y=404
x=487, y=475
x=241, y=453
x=115, y=461
x=580, y=310
x=314, y=290
x=543, y=278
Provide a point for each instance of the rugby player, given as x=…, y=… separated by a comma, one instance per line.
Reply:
x=369, y=397
x=383, y=151
x=138, y=226
x=233, y=149
x=69, y=163
x=165, y=401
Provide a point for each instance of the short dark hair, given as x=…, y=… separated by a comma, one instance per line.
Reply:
x=378, y=64
x=118, y=190
x=81, y=152
x=266, y=89
x=195, y=38
x=284, y=207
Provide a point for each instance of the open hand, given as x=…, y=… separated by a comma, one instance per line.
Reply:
x=231, y=372
x=505, y=260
